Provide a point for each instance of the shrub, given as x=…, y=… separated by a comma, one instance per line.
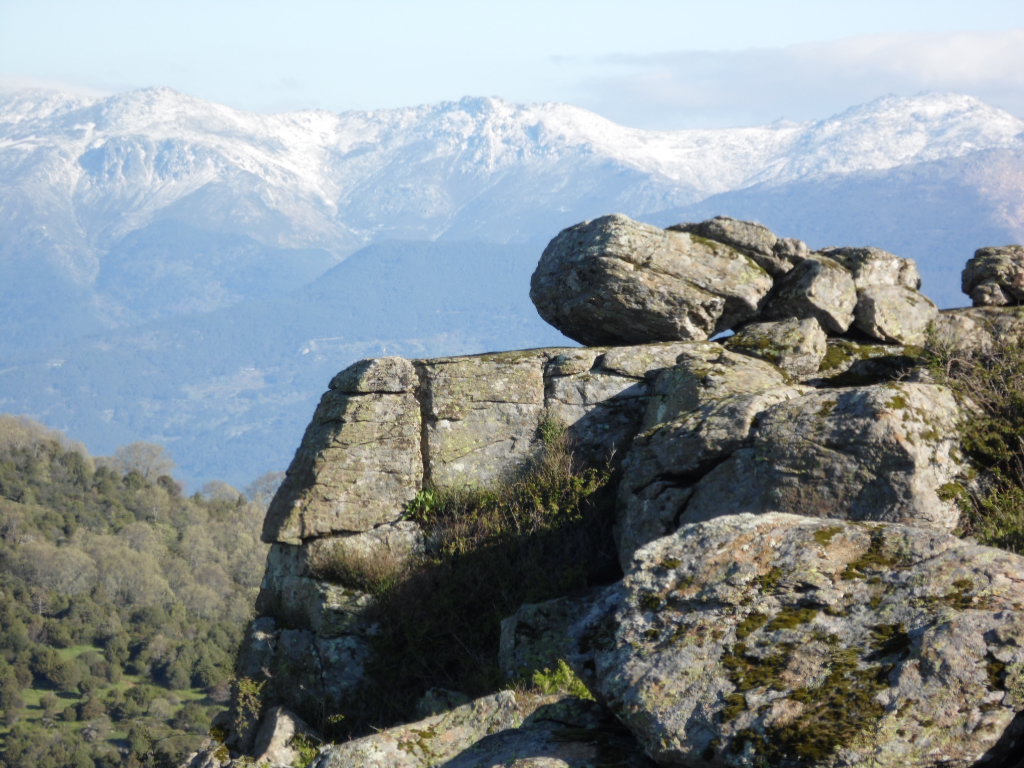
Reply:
x=544, y=532
x=990, y=385
x=561, y=679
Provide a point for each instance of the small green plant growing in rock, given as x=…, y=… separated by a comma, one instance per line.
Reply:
x=307, y=750
x=990, y=384
x=562, y=679
x=247, y=706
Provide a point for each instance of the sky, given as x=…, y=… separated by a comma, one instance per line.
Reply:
x=642, y=63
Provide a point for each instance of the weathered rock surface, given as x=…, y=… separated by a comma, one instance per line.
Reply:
x=299, y=667
x=817, y=287
x=894, y=313
x=617, y=281
x=600, y=394
x=796, y=346
x=359, y=460
x=873, y=266
x=476, y=419
x=292, y=595
x=389, y=425
x=848, y=363
x=773, y=254
x=505, y=729
x=704, y=372
x=883, y=452
x=481, y=415
x=536, y=636
x=666, y=462
x=787, y=641
x=976, y=328
x=838, y=638
x=995, y=276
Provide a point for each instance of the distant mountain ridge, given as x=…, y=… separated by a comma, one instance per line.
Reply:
x=134, y=221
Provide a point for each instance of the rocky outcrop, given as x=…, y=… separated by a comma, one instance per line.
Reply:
x=995, y=276
x=359, y=460
x=336, y=525
x=784, y=500
x=787, y=641
x=388, y=425
x=882, y=452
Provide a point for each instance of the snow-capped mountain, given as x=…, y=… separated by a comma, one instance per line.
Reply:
x=206, y=254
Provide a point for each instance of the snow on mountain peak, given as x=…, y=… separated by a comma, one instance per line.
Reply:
x=352, y=175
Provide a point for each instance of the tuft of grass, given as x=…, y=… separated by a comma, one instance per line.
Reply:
x=990, y=385
x=543, y=532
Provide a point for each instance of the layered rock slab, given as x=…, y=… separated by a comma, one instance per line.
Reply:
x=774, y=254
x=787, y=641
x=666, y=462
x=387, y=426
x=618, y=281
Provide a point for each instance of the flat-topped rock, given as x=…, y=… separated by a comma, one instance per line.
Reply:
x=797, y=346
x=873, y=266
x=774, y=254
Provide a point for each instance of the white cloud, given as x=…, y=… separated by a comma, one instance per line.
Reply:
x=812, y=80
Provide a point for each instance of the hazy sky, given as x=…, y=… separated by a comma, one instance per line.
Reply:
x=647, y=63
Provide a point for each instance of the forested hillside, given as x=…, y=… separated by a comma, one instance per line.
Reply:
x=121, y=601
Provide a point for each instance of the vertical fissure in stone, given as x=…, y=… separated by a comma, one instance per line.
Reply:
x=426, y=420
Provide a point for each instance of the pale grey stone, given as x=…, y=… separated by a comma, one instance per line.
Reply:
x=873, y=266
x=617, y=281
x=703, y=372
x=602, y=403
x=817, y=287
x=976, y=328
x=377, y=375
x=882, y=452
x=536, y=636
x=748, y=639
x=666, y=462
x=774, y=255
x=794, y=345
x=893, y=313
x=359, y=460
x=505, y=729
x=276, y=740
x=481, y=415
x=995, y=276
x=428, y=742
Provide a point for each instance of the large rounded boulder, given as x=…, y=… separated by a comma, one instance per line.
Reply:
x=618, y=281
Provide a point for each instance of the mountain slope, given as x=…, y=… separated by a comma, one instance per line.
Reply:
x=175, y=270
